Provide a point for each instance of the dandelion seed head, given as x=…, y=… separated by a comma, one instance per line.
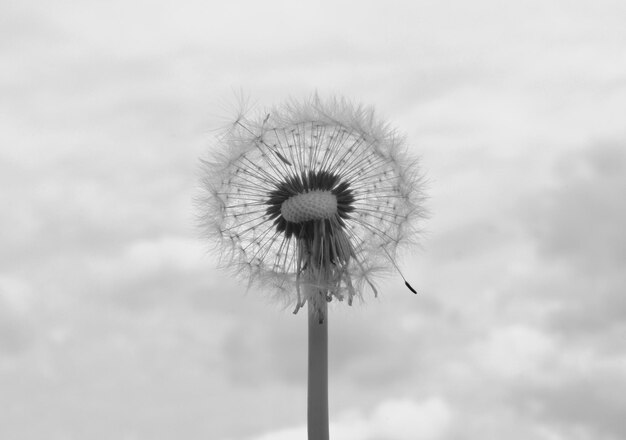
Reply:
x=309, y=206
x=312, y=199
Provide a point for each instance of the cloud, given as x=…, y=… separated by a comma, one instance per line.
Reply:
x=16, y=323
x=583, y=399
x=579, y=219
x=514, y=351
x=575, y=225
x=393, y=419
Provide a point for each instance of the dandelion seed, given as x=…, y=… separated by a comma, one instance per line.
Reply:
x=312, y=199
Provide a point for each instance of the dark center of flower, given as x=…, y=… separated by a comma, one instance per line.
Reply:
x=302, y=201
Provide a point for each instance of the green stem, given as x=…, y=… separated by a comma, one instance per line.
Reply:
x=317, y=409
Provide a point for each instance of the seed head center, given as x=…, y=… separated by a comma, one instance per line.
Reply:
x=312, y=205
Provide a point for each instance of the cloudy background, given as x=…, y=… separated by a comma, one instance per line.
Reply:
x=114, y=323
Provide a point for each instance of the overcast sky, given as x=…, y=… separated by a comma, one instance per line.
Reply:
x=114, y=322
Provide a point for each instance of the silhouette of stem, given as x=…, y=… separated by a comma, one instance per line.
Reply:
x=317, y=403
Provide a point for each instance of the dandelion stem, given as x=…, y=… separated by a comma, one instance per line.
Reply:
x=317, y=409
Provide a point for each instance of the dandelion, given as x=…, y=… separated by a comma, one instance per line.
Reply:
x=312, y=200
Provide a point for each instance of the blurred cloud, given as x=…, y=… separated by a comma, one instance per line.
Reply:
x=576, y=224
x=398, y=419
x=16, y=327
x=514, y=351
x=583, y=213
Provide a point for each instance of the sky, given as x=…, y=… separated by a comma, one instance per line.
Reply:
x=115, y=322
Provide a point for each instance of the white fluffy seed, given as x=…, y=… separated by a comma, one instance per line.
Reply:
x=313, y=205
